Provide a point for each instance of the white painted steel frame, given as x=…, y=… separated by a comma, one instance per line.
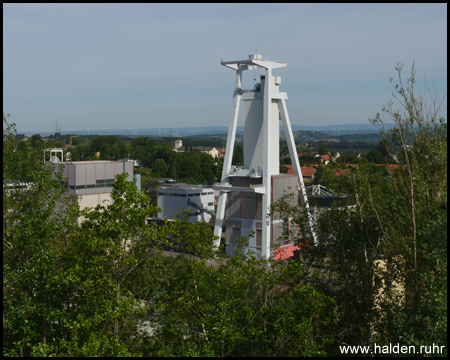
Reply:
x=239, y=66
x=296, y=163
x=228, y=157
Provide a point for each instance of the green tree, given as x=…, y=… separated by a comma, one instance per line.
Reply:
x=415, y=238
x=375, y=157
x=37, y=219
x=382, y=251
x=104, y=145
x=385, y=150
x=113, y=242
x=160, y=168
x=65, y=287
x=144, y=151
x=121, y=150
x=238, y=155
x=151, y=186
x=36, y=140
x=319, y=175
x=323, y=150
x=238, y=307
x=120, y=238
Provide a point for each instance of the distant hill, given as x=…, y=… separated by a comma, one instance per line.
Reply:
x=154, y=132
x=341, y=129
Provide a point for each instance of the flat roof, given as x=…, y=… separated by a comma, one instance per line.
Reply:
x=185, y=187
x=97, y=161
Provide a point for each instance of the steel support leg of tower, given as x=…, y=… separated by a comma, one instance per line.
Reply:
x=296, y=164
x=228, y=157
x=267, y=178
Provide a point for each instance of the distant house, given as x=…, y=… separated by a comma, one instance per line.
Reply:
x=210, y=150
x=289, y=168
x=392, y=167
x=307, y=172
x=221, y=151
x=285, y=154
x=335, y=156
x=339, y=172
x=325, y=159
x=313, y=154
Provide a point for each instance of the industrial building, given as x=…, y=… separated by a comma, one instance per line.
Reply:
x=91, y=180
x=174, y=198
x=246, y=193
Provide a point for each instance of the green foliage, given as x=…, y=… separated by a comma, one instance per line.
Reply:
x=323, y=150
x=385, y=149
x=36, y=222
x=64, y=286
x=235, y=307
x=151, y=186
x=417, y=194
x=36, y=140
x=382, y=253
x=238, y=155
x=375, y=156
x=112, y=243
x=319, y=176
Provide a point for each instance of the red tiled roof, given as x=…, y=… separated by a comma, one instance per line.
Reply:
x=392, y=167
x=340, y=172
x=308, y=171
x=290, y=169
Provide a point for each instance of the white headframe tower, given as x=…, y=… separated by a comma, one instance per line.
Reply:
x=247, y=193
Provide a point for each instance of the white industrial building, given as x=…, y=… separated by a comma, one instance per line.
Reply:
x=246, y=193
x=180, y=196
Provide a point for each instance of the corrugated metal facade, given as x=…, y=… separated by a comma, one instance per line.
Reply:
x=243, y=212
x=94, y=177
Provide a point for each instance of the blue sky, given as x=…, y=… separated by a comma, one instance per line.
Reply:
x=135, y=66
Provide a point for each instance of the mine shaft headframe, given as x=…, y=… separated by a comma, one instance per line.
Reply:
x=254, y=61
